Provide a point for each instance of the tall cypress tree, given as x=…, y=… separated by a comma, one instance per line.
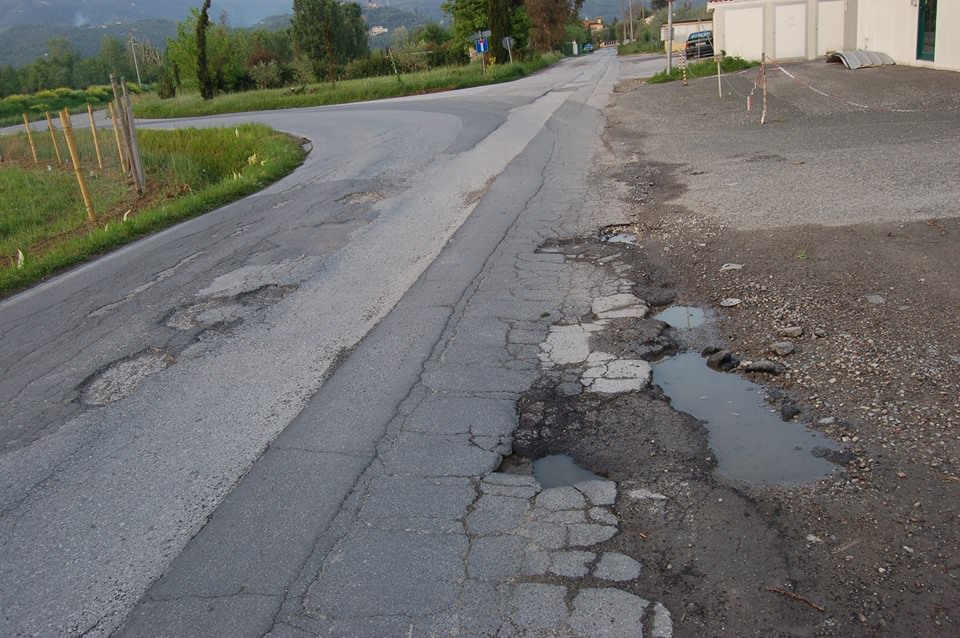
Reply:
x=203, y=71
x=499, y=12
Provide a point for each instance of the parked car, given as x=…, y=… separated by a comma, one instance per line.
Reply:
x=588, y=47
x=699, y=45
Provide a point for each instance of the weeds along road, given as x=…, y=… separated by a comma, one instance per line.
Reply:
x=138, y=389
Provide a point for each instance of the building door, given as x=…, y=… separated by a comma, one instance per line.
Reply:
x=926, y=29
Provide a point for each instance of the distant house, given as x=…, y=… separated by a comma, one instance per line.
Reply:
x=682, y=29
x=377, y=30
x=596, y=26
x=906, y=30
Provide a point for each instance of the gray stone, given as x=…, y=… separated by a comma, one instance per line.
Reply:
x=587, y=534
x=572, y=564
x=723, y=360
x=560, y=498
x=536, y=606
x=617, y=567
x=765, y=366
x=783, y=348
x=494, y=515
x=599, y=492
x=610, y=613
x=792, y=332
x=661, y=625
x=875, y=299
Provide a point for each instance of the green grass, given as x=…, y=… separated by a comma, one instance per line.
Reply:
x=702, y=69
x=343, y=92
x=190, y=172
x=53, y=101
x=640, y=47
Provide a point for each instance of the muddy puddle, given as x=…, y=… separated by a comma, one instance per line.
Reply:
x=558, y=470
x=749, y=440
x=682, y=317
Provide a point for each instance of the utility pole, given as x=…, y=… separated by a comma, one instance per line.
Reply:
x=136, y=65
x=630, y=11
x=669, y=36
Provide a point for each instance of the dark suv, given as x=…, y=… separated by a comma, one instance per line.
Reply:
x=699, y=45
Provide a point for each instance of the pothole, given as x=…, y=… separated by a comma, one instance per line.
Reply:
x=119, y=379
x=558, y=470
x=618, y=234
x=223, y=311
x=750, y=442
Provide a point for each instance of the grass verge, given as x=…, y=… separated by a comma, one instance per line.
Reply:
x=189, y=171
x=639, y=47
x=378, y=88
x=703, y=68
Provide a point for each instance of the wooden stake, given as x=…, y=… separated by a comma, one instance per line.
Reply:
x=93, y=131
x=116, y=136
x=33, y=147
x=137, y=164
x=53, y=136
x=75, y=158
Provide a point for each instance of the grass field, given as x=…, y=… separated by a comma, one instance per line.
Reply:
x=448, y=78
x=189, y=172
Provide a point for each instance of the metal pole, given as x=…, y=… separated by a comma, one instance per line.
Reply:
x=630, y=12
x=669, y=36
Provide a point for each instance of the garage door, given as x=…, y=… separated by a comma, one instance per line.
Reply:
x=790, y=31
x=743, y=33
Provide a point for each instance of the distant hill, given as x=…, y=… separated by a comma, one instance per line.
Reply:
x=19, y=46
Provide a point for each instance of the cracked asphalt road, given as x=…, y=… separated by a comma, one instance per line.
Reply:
x=284, y=418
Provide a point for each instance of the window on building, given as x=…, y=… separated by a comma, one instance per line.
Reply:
x=926, y=29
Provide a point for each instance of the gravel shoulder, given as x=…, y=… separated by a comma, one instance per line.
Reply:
x=844, y=212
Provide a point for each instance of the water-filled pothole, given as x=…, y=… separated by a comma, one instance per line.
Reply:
x=749, y=441
x=682, y=317
x=557, y=470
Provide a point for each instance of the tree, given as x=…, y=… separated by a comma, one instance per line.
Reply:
x=500, y=28
x=328, y=33
x=203, y=71
x=468, y=16
x=550, y=18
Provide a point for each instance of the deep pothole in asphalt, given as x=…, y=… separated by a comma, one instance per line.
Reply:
x=747, y=438
x=120, y=378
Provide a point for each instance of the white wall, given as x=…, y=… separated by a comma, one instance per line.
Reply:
x=890, y=26
x=829, y=26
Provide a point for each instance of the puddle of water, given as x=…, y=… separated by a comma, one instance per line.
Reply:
x=749, y=441
x=560, y=469
x=682, y=317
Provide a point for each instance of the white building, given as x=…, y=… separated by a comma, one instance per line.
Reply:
x=906, y=30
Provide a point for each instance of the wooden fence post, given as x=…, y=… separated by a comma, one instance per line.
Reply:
x=116, y=136
x=53, y=136
x=75, y=158
x=137, y=163
x=93, y=131
x=33, y=147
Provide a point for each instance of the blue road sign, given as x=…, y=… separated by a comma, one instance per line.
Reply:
x=482, y=45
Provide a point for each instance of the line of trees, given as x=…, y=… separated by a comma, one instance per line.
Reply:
x=327, y=40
